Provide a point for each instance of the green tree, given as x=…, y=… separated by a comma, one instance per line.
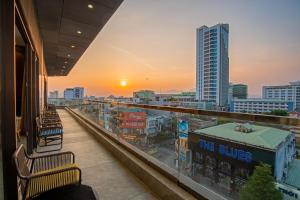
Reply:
x=260, y=185
x=279, y=112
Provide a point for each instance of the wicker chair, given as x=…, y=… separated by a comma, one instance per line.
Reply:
x=43, y=173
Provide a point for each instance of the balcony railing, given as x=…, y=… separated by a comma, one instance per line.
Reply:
x=197, y=147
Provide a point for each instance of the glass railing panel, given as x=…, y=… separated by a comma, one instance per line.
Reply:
x=212, y=153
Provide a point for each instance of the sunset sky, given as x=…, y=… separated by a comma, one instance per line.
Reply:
x=151, y=45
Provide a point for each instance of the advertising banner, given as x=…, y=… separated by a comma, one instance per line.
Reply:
x=183, y=129
x=133, y=120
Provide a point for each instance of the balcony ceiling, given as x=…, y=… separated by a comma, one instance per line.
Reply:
x=68, y=27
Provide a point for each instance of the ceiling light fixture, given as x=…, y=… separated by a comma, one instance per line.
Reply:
x=90, y=6
x=73, y=46
x=63, y=66
x=79, y=32
x=69, y=55
x=66, y=62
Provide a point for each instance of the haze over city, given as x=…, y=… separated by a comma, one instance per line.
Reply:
x=150, y=44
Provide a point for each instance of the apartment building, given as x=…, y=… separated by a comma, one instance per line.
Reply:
x=212, y=64
x=289, y=92
x=260, y=105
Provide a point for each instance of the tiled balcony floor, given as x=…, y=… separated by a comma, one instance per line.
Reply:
x=111, y=179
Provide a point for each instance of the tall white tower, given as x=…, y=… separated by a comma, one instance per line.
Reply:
x=212, y=73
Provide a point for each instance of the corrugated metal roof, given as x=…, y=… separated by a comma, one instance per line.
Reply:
x=262, y=136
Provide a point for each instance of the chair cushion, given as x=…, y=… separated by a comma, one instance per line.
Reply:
x=50, y=132
x=72, y=192
x=56, y=180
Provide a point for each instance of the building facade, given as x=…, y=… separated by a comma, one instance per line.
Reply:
x=69, y=93
x=144, y=94
x=289, y=92
x=239, y=91
x=260, y=105
x=228, y=153
x=212, y=64
x=78, y=92
x=74, y=93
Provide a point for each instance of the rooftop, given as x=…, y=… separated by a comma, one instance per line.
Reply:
x=261, y=136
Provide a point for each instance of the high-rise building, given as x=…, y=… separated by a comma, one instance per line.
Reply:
x=212, y=72
x=238, y=91
x=74, y=93
x=289, y=92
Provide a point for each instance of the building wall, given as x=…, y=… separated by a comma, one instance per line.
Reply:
x=284, y=155
x=259, y=105
x=74, y=93
x=30, y=17
x=203, y=155
x=144, y=94
x=239, y=91
x=212, y=64
x=284, y=92
x=69, y=93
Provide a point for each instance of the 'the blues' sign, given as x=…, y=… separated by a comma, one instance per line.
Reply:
x=227, y=151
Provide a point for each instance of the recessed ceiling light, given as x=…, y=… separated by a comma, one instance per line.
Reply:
x=63, y=66
x=66, y=62
x=73, y=46
x=90, y=6
x=69, y=55
x=79, y=32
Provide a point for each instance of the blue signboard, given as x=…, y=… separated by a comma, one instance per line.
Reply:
x=226, y=151
x=183, y=128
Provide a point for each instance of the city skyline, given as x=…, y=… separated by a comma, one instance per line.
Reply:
x=144, y=49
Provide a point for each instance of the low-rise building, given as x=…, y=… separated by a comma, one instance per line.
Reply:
x=143, y=96
x=260, y=105
x=53, y=94
x=289, y=92
x=228, y=153
x=239, y=91
x=154, y=125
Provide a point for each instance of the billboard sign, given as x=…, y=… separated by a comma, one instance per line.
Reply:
x=183, y=129
x=133, y=120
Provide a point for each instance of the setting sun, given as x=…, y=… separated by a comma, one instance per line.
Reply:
x=123, y=83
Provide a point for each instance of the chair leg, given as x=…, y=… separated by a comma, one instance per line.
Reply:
x=48, y=141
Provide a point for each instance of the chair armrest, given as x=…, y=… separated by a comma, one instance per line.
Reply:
x=45, y=181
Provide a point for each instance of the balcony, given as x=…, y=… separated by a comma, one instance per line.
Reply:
x=121, y=158
x=108, y=176
x=160, y=150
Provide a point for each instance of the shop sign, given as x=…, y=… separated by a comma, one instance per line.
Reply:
x=226, y=151
x=134, y=120
x=288, y=192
